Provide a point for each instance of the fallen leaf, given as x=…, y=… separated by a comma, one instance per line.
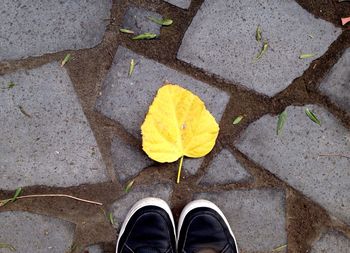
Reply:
x=132, y=66
x=145, y=36
x=17, y=193
x=111, y=219
x=279, y=248
x=312, y=116
x=163, y=21
x=237, y=120
x=282, y=118
x=24, y=112
x=263, y=50
x=11, y=85
x=258, y=33
x=305, y=56
x=129, y=185
x=126, y=31
x=177, y=125
x=344, y=21
x=7, y=246
x=66, y=59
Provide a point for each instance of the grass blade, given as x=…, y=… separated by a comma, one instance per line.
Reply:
x=129, y=185
x=111, y=219
x=279, y=248
x=282, y=118
x=132, y=67
x=237, y=120
x=263, y=50
x=7, y=246
x=66, y=59
x=258, y=33
x=4, y=202
x=17, y=193
x=306, y=56
x=145, y=36
x=163, y=22
x=126, y=31
x=312, y=116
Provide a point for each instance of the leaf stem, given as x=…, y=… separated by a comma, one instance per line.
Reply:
x=179, y=170
x=55, y=195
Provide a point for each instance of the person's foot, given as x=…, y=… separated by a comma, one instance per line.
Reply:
x=204, y=228
x=148, y=228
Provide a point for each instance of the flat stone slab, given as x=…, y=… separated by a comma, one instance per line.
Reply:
x=225, y=169
x=257, y=217
x=128, y=160
x=336, y=85
x=127, y=99
x=294, y=155
x=93, y=249
x=191, y=165
x=221, y=40
x=331, y=241
x=184, y=4
x=122, y=206
x=29, y=232
x=45, y=137
x=38, y=27
x=137, y=20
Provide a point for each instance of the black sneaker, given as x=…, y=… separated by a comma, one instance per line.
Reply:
x=204, y=228
x=148, y=228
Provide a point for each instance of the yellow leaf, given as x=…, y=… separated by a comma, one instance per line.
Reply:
x=177, y=125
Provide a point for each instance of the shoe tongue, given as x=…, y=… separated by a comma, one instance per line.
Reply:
x=147, y=250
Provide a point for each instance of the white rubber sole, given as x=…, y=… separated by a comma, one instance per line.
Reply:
x=198, y=204
x=143, y=203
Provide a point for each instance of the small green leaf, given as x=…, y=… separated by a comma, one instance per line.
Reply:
x=145, y=36
x=11, y=85
x=111, y=219
x=305, y=56
x=163, y=22
x=282, y=118
x=132, y=67
x=128, y=186
x=279, y=248
x=263, y=50
x=17, y=193
x=312, y=116
x=237, y=120
x=126, y=31
x=66, y=59
x=258, y=33
x=7, y=246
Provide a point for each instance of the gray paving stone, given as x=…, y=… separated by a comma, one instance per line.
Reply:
x=184, y=4
x=337, y=83
x=121, y=207
x=32, y=28
x=294, y=155
x=29, y=232
x=94, y=249
x=257, y=217
x=137, y=20
x=191, y=165
x=212, y=44
x=54, y=144
x=332, y=242
x=127, y=99
x=225, y=169
x=128, y=160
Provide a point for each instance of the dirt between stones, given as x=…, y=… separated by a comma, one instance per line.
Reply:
x=305, y=219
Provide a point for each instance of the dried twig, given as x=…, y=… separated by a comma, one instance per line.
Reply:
x=339, y=155
x=54, y=195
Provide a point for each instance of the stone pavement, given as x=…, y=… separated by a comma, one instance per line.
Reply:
x=76, y=129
